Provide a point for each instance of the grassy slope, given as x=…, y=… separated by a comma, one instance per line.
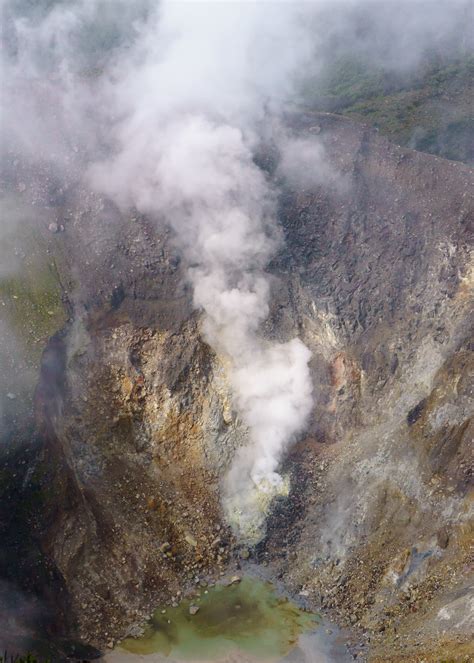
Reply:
x=432, y=110
x=32, y=304
x=31, y=307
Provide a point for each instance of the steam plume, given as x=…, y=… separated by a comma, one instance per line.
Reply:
x=186, y=154
x=175, y=94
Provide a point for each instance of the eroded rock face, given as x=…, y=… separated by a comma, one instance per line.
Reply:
x=145, y=428
x=374, y=277
x=386, y=513
x=139, y=426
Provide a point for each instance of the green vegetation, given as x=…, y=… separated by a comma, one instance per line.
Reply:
x=30, y=297
x=33, y=301
x=31, y=305
x=430, y=110
x=5, y=657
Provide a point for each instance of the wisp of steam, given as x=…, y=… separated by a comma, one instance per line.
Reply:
x=191, y=102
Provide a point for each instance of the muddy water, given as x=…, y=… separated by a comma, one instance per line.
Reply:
x=240, y=623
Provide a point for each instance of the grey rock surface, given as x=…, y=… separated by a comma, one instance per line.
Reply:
x=137, y=425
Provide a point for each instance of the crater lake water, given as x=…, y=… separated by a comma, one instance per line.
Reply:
x=243, y=622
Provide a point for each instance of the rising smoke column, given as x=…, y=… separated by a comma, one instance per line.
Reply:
x=191, y=99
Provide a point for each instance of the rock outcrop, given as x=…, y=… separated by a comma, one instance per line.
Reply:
x=138, y=428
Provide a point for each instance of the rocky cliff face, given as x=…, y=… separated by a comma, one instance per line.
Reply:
x=135, y=424
x=383, y=300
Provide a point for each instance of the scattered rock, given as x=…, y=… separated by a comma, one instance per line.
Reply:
x=443, y=538
x=415, y=413
x=193, y=609
x=191, y=540
x=135, y=631
x=53, y=228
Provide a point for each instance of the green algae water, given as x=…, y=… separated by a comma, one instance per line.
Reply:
x=248, y=617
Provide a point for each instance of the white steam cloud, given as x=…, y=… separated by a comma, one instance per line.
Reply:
x=185, y=152
x=168, y=100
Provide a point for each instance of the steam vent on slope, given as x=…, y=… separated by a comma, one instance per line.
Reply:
x=236, y=348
